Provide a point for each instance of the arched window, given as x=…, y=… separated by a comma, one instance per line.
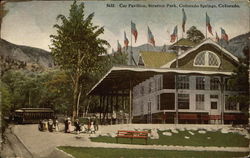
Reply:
x=207, y=59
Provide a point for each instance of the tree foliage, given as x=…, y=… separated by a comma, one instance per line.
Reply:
x=195, y=35
x=76, y=48
x=240, y=81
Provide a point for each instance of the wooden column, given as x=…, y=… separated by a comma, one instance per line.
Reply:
x=130, y=101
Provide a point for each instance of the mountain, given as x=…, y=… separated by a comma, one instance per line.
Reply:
x=25, y=54
x=237, y=44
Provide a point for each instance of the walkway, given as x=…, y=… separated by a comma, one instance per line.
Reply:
x=43, y=144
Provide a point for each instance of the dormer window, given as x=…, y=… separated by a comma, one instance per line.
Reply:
x=207, y=59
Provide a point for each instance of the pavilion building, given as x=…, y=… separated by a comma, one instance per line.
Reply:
x=190, y=86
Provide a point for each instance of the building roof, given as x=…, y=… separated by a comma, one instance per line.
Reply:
x=183, y=43
x=207, y=41
x=156, y=59
x=123, y=78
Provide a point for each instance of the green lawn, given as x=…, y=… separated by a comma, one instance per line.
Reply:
x=216, y=139
x=79, y=152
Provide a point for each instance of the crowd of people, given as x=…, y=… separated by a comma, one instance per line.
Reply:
x=90, y=126
x=48, y=125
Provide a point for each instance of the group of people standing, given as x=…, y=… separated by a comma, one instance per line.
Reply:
x=90, y=127
x=48, y=125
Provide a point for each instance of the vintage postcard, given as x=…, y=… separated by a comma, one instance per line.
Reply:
x=125, y=79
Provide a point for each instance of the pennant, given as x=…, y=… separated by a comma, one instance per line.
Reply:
x=224, y=35
x=119, y=47
x=184, y=19
x=217, y=37
x=209, y=27
x=134, y=30
x=125, y=41
x=151, y=37
x=174, y=34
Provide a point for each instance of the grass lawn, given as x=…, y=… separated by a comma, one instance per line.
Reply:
x=215, y=139
x=79, y=152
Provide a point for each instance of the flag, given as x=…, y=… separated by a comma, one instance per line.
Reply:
x=209, y=27
x=184, y=19
x=134, y=30
x=151, y=37
x=224, y=35
x=174, y=34
x=119, y=47
x=125, y=41
x=217, y=37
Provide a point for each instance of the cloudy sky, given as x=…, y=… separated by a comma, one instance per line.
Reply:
x=31, y=23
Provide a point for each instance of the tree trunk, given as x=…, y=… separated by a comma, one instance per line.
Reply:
x=75, y=97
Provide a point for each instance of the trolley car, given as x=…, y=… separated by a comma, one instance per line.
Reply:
x=32, y=115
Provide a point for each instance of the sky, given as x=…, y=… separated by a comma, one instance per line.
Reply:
x=31, y=23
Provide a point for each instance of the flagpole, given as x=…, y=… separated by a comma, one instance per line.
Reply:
x=131, y=52
x=206, y=25
x=176, y=84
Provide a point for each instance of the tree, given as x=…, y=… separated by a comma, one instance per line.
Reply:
x=77, y=48
x=195, y=35
x=240, y=82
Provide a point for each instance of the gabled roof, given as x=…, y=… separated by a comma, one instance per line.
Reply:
x=207, y=41
x=183, y=43
x=156, y=59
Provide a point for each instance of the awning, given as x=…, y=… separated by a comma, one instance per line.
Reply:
x=123, y=78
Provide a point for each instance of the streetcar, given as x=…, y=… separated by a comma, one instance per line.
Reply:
x=32, y=115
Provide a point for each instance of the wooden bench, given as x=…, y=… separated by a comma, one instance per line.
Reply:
x=132, y=135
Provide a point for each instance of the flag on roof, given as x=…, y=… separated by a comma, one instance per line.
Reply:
x=119, y=47
x=134, y=30
x=151, y=37
x=174, y=34
x=224, y=34
x=184, y=19
x=209, y=27
x=125, y=41
x=217, y=37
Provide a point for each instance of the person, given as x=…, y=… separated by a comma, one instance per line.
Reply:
x=70, y=127
x=92, y=128
x=66, y=125
x=45, y=125
x=40, y=125
x=55, y=124
x=96, y=123
x=50, y=125
x=77, y=126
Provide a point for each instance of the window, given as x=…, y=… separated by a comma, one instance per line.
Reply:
x=142, y=111
x=142, y=90
x=200, y=83
x=207, y=59
x=214, y=101
x=159, y=82
x=200, y=99
x=149, y=87
x=183, y=82
x=200, y=59
x=230, y=103
x=214, y=83
x=183, y=101
x=158, y=102
x=227, y=84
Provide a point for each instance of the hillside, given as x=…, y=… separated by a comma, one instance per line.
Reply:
x=25, y=54
x=237, y=44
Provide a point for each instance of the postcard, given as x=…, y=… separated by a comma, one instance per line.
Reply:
x=142, y=79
